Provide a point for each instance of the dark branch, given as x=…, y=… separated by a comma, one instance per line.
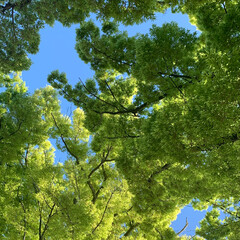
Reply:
x=113, y=95
x=8, y=6
x=224, y=140
x=64, y=142
x=26, y=156
x=103, y=160
x=108, y=56
x=40, y=222
x=159, y=233
x=11, y=6
x=48, y=220
x=128, y=136
x=161, y=2
x=224, y=209
x=18, y=129
x=98, y=98
x=93, y=191
x=133, y=111
x=224, y=6
x=104, y=212
x=24, y=214
x=165, y=167
x=174, y=75
x=132, y=227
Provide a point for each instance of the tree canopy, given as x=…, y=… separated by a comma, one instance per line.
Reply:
x=156, y=129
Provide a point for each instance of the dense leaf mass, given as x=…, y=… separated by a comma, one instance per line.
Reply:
x=156, y=129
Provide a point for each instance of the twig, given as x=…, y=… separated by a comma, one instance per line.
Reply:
x=183, y=227
x=103, y=160
x=108, y=56
x=48, y=220
x=64, y=142
x=118, y=137
x=94, y=95
x=104, y=212
x=19, y=126
x=175, y=75
x=113, y=95
x=224, y=6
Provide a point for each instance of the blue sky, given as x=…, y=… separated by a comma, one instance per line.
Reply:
x=57, y=51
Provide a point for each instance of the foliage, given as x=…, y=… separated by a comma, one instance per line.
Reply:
x=21, y=21
x=157, y=127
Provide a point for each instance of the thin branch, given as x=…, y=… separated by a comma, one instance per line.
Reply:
x=175, y=75
x=224, y=209
x=26, y=157
x=95, y=169
x=159, y=233
x=63, y=209
x=225, y=140
x=108, y=56
x=48, y=220
x=98, y=98
x=133, y=111
x=163, y=168
x=97, y=193
x=76, y=182
x=113, y=95
x=132, y=227
x=224, y=7
x=119, y=137
x=64, y=142
x=104, y=212
x=104, y=174
x=129, y=110
x=183, y=227
x=176, y=86
x=13, y=25
x=93, y=191
x=14, y=132
x=161, y=2
x=9, y=5
x=24, y=214
x=40, y=222
x=103, y=160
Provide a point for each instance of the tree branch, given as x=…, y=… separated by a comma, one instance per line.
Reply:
x=64, y=142
x=14, y=132
x=224, y=209
x=40, y=222
x=113, y=95
x=129, y=136
x=183, y=227
x=48, y=219
x=132, y=227
x=175, y=75
x=104, y=212
x=163, y=168
x=103, y=160
x=24, y=214
x=108, y=56
x=224, y=7
x=98, y=98
x=9, y=5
